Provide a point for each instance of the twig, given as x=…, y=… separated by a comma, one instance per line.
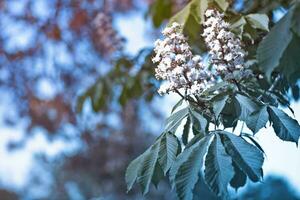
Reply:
x=272, y=87
x=189, y=99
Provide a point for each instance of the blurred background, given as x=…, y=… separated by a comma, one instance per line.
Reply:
x=78, y=100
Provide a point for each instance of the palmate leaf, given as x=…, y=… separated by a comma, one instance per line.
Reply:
x=154, y=163
x=175, y=120
x=186, y=131
x=160, y=10
x=132, y=170
x=218, y=168
x=285, y=127
x=290, y=61
x=296, y=19
x=223, y=4
x=247, y=157
x=201, y=190
x=167, y=151
x=251, y=138
x=219, y=104
x=157, y=175
x=199, y=122
x=296, y=92
x=186, y=170
x=147, y=168
x=247, y=106
x=257, y=119
x=178, y=104
x=239, y=179
x=238, y=26
x=272, y=47
x=258, y=21
x=193, y=9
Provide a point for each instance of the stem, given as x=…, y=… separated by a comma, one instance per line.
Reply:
x=234, y=80
x=242, y=127
x=180, y=94
x=215, y=122
x=189, y=99
x=272, y=87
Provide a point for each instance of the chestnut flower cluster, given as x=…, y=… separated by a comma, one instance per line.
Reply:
x=225, y=49
x=181, y=70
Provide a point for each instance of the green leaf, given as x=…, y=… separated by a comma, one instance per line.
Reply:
x=157, y=175
x=133, y=170
x=258, y=119
x=223, y=4
x=272, y=47
x=160, y=10
x=168, y=151
x=179, y=103
x=258, y=21
x=285, y=127
x=251, y=138
x=239, y=179
x=290, y=61
x=175, y=120
x=218, y=104
x=147, y=168
x=183, y=157
x=218, y=168
x=187, y=169
x=195, y=139
x=238, y=26
x=182, y=16
x=199, y=122
x=195, y=9
x=80, y=102
x=201, y=190
x=296, y=92
x=186, y=131
x=247, y=157
x=98, y=100
x=247, y=106
x=231, y=113
x=296, y=19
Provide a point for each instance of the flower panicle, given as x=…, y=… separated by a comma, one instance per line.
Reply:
x=180, y=69
x=225, y=49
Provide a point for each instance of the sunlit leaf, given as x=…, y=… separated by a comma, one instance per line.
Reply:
x=175, y=120
x=223, y=4
x=258, y=21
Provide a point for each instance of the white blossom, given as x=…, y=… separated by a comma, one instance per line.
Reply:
x=225, y=49
x=177, y=66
